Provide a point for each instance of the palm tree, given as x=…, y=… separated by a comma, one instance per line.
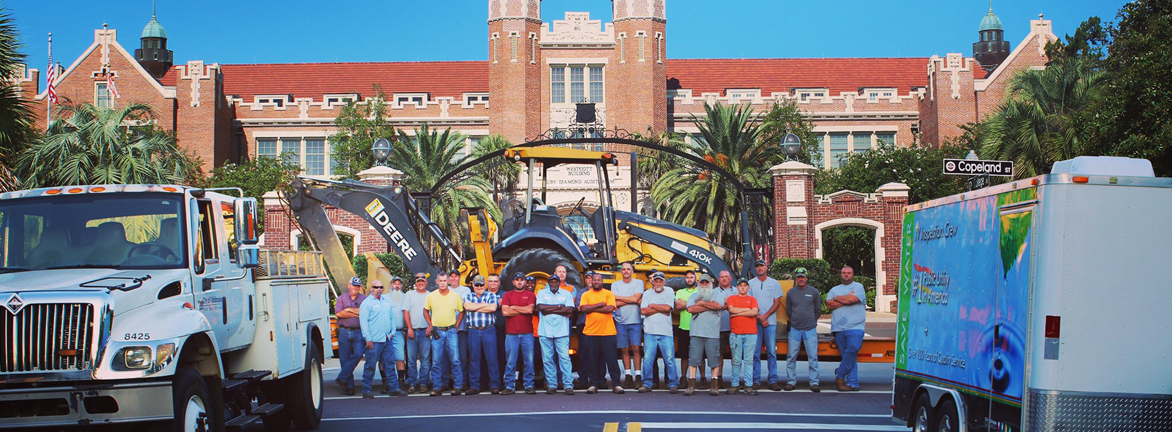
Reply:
x=98, y=145
x=501, y=173
x=426, y=157
x=697, y=197
x=15, y=115
x=1034, y=127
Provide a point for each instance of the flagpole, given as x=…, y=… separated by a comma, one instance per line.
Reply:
x=49, y=75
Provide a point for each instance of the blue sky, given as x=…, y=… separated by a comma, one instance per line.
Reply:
x=296, y=31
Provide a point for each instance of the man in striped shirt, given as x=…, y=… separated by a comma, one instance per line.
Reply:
x=480, y=316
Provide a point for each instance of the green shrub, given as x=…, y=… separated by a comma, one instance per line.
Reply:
x=869, y=286
x=390, y=260
x=819, y=274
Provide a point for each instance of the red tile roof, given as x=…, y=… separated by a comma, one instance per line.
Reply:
x=169, y=78
x=780, y=75
x=316, y=79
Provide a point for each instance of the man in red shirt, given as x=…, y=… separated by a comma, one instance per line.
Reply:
x=517, y=307
x=742, y=311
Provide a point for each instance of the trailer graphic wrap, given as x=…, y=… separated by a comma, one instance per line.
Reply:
x=956, y=328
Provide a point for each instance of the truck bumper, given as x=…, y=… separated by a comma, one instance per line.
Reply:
x=85, y=404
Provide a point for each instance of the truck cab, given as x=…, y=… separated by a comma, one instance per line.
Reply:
x=126, y=303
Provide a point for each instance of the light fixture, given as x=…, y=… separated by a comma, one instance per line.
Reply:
x=792, y=146
x=382, y=151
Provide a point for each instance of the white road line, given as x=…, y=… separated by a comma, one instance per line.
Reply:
x=723, y=413
x=578, y=392
x=773, y=426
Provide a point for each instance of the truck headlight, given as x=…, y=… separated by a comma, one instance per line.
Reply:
x=136, y=357
x=163, y=355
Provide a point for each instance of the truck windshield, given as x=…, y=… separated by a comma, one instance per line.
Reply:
x=125, y=231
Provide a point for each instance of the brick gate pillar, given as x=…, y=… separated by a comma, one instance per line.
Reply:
x=793, y=199
x=894, y=197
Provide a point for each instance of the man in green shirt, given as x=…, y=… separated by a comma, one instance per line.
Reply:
x=684, y=321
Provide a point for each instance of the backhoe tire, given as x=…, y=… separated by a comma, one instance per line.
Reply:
x=540, y=263
x=304, y=392
x=676, y=283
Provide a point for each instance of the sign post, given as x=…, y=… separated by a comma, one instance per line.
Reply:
x=978, y=171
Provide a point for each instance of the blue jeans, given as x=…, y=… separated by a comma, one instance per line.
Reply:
x=418, y=349
x=560, y=347
x=350, y=350
x=766, y=336
x=666, y=348
x=796, y=339
x=628, y=334
x=849, y=343
x=463, y=348
x=482, y=343
x=513, y=344
x=743, y=347
x=446, y=343
x=380, y=352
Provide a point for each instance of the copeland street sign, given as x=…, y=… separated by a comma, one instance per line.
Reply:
x=978, y=167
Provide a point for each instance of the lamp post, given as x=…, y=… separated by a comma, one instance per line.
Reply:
x=792, y=146
x=382, y=151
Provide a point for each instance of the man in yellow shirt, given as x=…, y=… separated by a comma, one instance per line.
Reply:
x=599, y=337
x=444, y=308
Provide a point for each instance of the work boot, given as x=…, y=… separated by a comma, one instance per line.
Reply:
x=455, y=392
x=618, y=390
x=551, y=390
x=691, y=387
x=702, y=383
x=713, y=387
x=751, y=392
x=756, y=386
x=788, y=387
x=495, y=391
x=472, y=392
x=530, y=391
x=349, y=391
x=842, y=387
x=673, y=389
x=815, y=389
x=508, y=391
x=732, y=390
x=629, y=381
x=366, y=395
x=644, y=389
x=399, y=393
x=775, y=386
x=591, y=390
x=433, y=393
x=569, y=391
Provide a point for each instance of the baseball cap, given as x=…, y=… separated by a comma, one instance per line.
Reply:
x=420, y=277
x=555, y=280
x=530, y=279
x=396, y=278
x=590, y=273
x=518, y=275
x=742, y=281
x=356, y=281
x=761, y=262
x=478, y=280
x=705, y=278
x=800, y=271
x=658, y=275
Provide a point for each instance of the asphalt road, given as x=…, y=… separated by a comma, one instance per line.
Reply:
x=866, y=410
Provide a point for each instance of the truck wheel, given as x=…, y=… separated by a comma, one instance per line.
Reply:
x=191, y=402
x=676, y=283
x=540, y=263
x=304, y=391
x=922, y=414
x=948, y=420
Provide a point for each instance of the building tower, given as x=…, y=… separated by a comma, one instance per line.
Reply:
x=154, y=55
x=992, y=49
x=514, y=70
x=637, y=82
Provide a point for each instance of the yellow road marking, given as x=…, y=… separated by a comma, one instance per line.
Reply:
x=634, y=427
x=610, y=427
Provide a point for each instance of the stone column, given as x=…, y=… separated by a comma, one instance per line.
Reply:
x=894, y=197
x=381, y=175
x=793, y=199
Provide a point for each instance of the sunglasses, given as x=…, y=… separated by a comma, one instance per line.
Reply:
x=477, y=284
x=376, y=287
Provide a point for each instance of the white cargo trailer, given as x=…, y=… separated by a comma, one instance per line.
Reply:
x=1043, y=304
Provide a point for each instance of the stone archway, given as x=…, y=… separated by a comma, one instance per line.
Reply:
x=880, y=254
x=800, y=217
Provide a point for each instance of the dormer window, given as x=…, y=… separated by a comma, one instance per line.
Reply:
x=875, y=94
x=737, y=95
x=278, y=101
x=333, y=100
x=475, y=98
x=805, y=95
x=417, y=99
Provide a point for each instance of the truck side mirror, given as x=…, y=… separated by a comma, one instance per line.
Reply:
x=248, y=256
x=246, y=221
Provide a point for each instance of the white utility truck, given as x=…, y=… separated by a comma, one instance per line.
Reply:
x=150, y=302
x=1039, y=305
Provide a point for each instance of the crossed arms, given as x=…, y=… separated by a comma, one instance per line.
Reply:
x=555, y=309
x=841, y=301
x=704, y=306
x=653, y=309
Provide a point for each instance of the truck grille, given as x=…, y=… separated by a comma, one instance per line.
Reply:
x=46, y=337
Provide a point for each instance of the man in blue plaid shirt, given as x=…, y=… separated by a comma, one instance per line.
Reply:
x=479, y=308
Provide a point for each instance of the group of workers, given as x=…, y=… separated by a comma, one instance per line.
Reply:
x=435, y=339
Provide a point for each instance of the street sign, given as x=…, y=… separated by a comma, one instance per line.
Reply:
x=978, y=167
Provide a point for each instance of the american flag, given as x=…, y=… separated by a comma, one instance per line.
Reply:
x=110, y=87
x=52, y=76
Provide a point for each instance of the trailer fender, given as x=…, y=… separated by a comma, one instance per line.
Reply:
x=313, y=337
x=937, y=393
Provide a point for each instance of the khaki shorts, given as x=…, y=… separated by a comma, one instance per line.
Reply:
x=701, y=348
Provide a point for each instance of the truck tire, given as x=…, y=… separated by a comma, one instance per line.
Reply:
x=922, y=416
x=947, y=419
x=304, y=392
x=191, y=402
x=540, y=263
x=676, y=283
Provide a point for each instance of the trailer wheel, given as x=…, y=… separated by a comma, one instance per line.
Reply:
x=191, y=401
x=304, y=390
x=947, y=419
x=540, y=263
x=922, y=414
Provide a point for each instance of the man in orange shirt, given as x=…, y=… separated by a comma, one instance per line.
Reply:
x=742, y=311
x=599, y=338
